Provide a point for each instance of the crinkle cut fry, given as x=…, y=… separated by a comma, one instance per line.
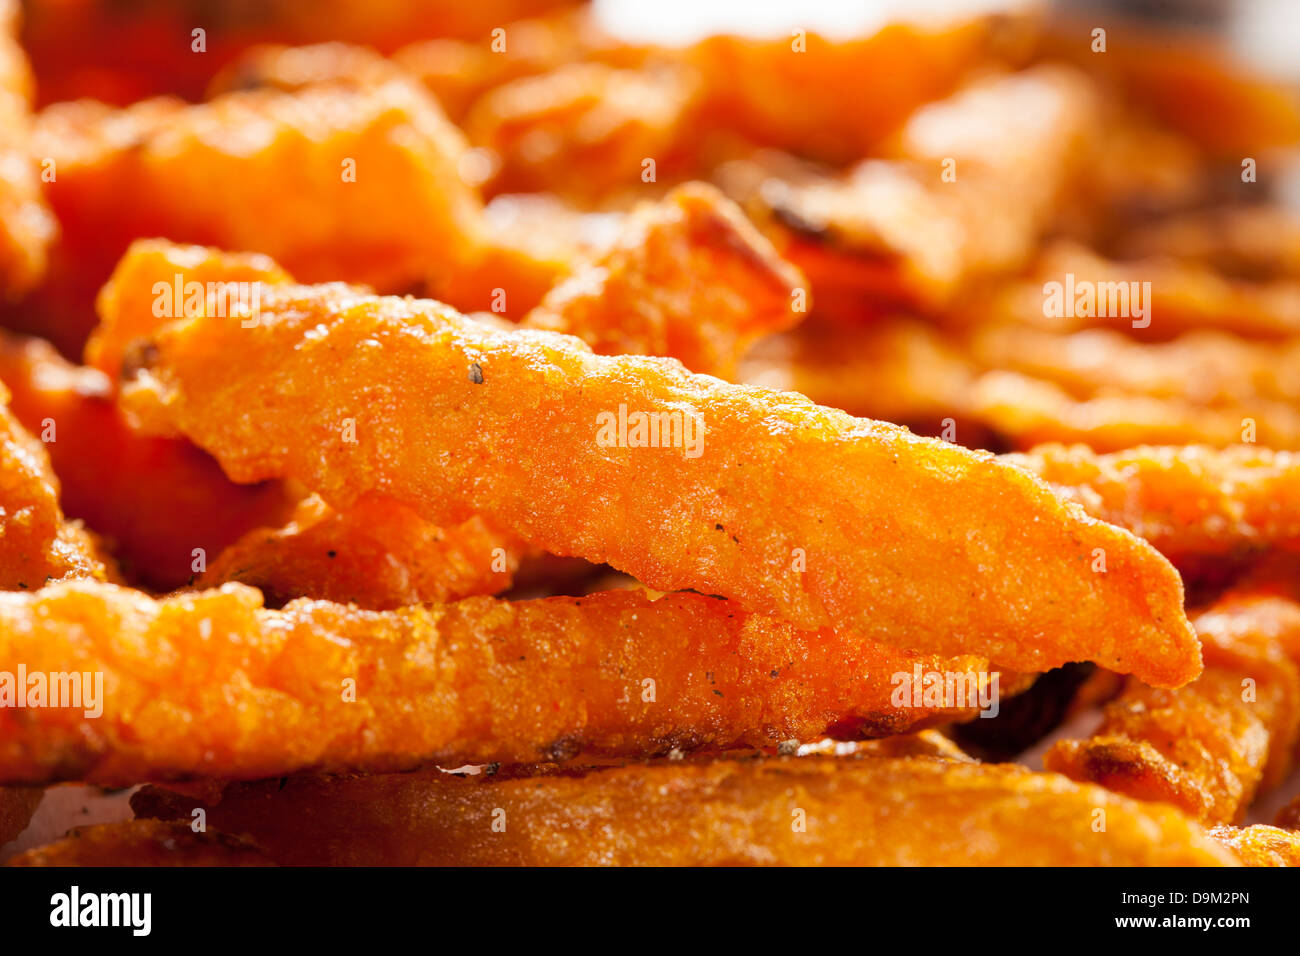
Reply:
x=1188, y=502
x=142, y=843
x=329, y=187
x=26, y=227
x=37, y=545
x=689, y=277
x=1210, y=746
x=789, y=508
x=159, y=503
x=377, y=555
x=211, y=685
x=871, y=811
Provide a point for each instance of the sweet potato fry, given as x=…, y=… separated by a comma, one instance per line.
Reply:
x=968, y=196
x=36, y=544
x=800, y=811
x=153, y=500
x=1207, y=748
x=331, y=687
x=26, y=227
x=1288, y=818
x=1260, y=845
x=1188, y=502
x=1258, y=242
x=689, y=277
x=17, y=804
x=882, y=532
x=1029, y=411
x=142, y=843
x=377, y=555
x=326, y=179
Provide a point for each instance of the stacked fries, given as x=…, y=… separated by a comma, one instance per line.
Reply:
x=461, y=435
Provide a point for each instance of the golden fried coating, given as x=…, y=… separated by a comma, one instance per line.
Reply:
x=787, y=507
x=17, y=804
x=974, y=185
x=209, y=684
x=163, y=507
x=688, y=277
x=1260, y=845
x=142, y=843
x=1029, y=411
x=26, y=227
x=378, y=555
x=793, y=811
x=587, y=130
x=1188, y=502
x=121, y=52
x=37, y=545
x=1208, y=747
x=328, y=180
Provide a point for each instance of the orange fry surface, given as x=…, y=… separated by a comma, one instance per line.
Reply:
x=327, y=179
x=378, y=555
x=1188, y=502
x=36, y=544
x=210, y=684
x=1261, y=844
x=689, y=277
x=787, y=507
x=26, y=227
x=800, y=811
x=153, y=500
x=142, y=843
x=1208, y=747
x=17, y=804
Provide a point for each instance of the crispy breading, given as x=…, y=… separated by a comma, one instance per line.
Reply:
x=1210, y=746
x=160, y=504
x=26, y=227
x=142, y=843
x=800, y=811
x=327, y=179
x=1030, y=411
x=37, y=545
x=378, y=555
x=787, y=507
x=688, y=277
x=1260, y=845
x=210, y=684
x=1188, y=502
x=17, y=804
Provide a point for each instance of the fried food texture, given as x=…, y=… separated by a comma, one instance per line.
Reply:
x=326, y=179
x=378, y=555
x=159, y=504
x=142, y=843
x=37, y=545
x=1188, y=502
x=788, y=508
x=792, y=811
x=689, y=277
x=326, y=686
x=1208, y=747
x=1260, y=844
x=26, y=227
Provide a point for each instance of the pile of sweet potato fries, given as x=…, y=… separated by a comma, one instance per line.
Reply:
x=443, y=433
